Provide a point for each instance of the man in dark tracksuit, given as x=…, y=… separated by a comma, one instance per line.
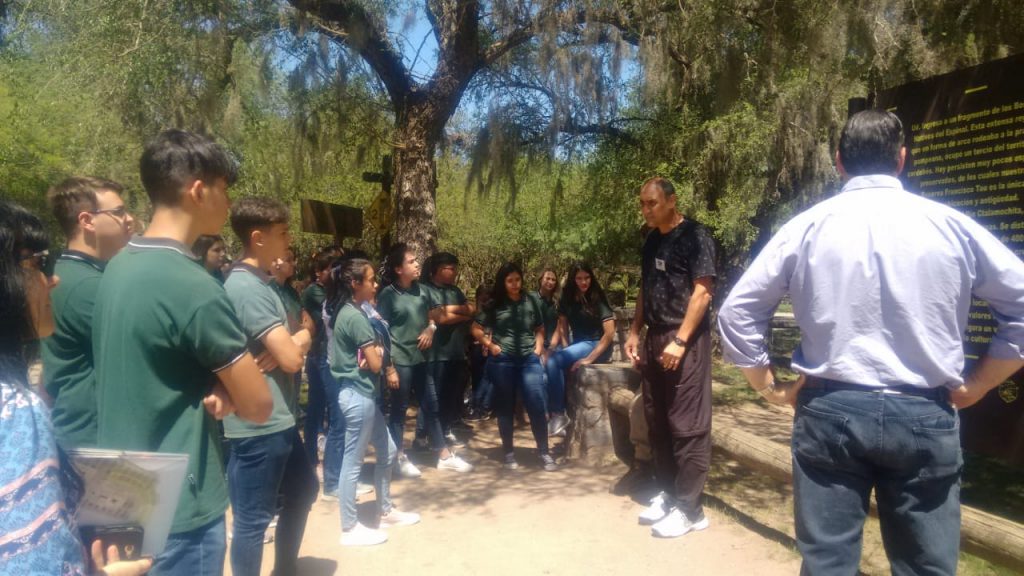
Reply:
x=677, y=282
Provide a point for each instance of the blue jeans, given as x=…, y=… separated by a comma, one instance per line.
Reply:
x=364, y=423
x=409, y=378
x=525, y=375
x=198, y=552
x=558, y=363
x=260, y=468
x=335, y=446
x=316, y=405
x=846, y=442
x=483, y=390
x=430, y=410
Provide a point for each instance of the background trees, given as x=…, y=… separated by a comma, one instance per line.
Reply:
x=519, y=128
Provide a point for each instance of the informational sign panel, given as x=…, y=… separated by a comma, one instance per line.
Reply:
x=965, y=148
x=334, y=219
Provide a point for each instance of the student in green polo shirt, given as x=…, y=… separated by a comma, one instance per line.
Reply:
x=447, y=356
x=97, y=225
x=267, y=458
x=356, y=361
x=547, y=285
x=583, y=313
x=404, y=303
x=515, y=344
x=168, y=347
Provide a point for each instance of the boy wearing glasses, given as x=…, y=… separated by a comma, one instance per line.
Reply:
x=93, y=217
x=169, y=349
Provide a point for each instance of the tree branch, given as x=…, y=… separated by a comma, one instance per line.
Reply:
x=360, y=30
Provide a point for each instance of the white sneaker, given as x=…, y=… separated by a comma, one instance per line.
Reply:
x=398, y=518
x=655, y=512
x=510, y=462
x=454, y=463
x=360, y=535
x=675, y=524
x=329, y=496
x=362, y=488
x=407, y=469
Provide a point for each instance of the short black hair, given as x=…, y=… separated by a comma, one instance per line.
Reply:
x=663, y=184
x=255, y=212
x=870, y=143
x=75, y=195
x=440, y=259
x=174, y=158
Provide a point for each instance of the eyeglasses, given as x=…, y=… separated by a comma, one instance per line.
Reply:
x=120, y=212
x=43, y=261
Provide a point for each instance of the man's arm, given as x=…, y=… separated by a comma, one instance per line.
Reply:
x=289, y=350
x=248, y=390
x=700, y=300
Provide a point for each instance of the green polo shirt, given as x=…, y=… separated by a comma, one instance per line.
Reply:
x=449, y=339
x=259, y=308
x=407, y=314
x=352, y=333
x=585, y=325
x=292, y=305
x=67, y=355
x=549, y=311
x=162, y=329
x=513, y=324
x=313, y=303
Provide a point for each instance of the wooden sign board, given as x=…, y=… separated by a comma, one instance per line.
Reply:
x=965, y=148
x=334, y=219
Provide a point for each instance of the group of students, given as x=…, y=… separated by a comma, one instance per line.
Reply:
x=148, y=341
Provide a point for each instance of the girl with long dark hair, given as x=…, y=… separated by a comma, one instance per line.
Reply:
x=585, y=319
x=356, y=362
x=515, y=345
x=43, y=517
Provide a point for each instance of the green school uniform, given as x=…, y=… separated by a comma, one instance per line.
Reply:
x=584, y=325
x=352, y=332
x=513, y=325
x=406, y=312
x=449, y=339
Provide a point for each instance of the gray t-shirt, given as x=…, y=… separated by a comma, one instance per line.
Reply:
x=260, y=310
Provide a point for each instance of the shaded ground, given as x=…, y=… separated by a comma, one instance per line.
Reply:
x=528, y=522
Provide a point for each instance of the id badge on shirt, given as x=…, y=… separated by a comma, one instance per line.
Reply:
x=659, y=264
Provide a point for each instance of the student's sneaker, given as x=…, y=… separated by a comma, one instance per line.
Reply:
x=453, y=442
x=454, y=463
x=407, y=469
x=329, y=496
x=421, y=445
x=476, y=415
x=675, y=524
x=362, y=489
x=360, y=535
x=557, y=424
x=656, y=511
x=548, y=463
x=398, y=518
x=510, y=462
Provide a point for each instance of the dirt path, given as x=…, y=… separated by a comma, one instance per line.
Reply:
x=528, y=522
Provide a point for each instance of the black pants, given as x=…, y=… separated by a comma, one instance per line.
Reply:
x=677, y=405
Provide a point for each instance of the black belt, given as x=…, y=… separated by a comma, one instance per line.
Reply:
x=940, y=393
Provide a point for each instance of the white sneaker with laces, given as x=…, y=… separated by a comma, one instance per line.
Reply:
x=362, y=488
x=655, y=512
x=454, y=463
x=407, y=469
x=675, y=524
x=360, y=535
x=398, y=518
x=510, y=462
x=329, y=497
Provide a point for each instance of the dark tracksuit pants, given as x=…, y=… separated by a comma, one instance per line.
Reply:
x=677, y=404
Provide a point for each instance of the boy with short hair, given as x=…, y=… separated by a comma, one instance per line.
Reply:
x=269, y=456
x=163, y=330
x=93, y=217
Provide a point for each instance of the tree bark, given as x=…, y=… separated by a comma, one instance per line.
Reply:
x=415, y=186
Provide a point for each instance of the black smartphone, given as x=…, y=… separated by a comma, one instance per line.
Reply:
x=126, y=537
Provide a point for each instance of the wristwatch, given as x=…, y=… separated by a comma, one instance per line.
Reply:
x=679, y=341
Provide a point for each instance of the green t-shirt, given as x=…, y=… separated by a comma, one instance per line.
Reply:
x=352, y=333
x=406, y=312
x=259, y=308
x=513, y=324
x=162, y=328
x=313, y=303
x=292, y=305
x=67, y=355
x=550, y=313
x=584, y=325
x=449, y=339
